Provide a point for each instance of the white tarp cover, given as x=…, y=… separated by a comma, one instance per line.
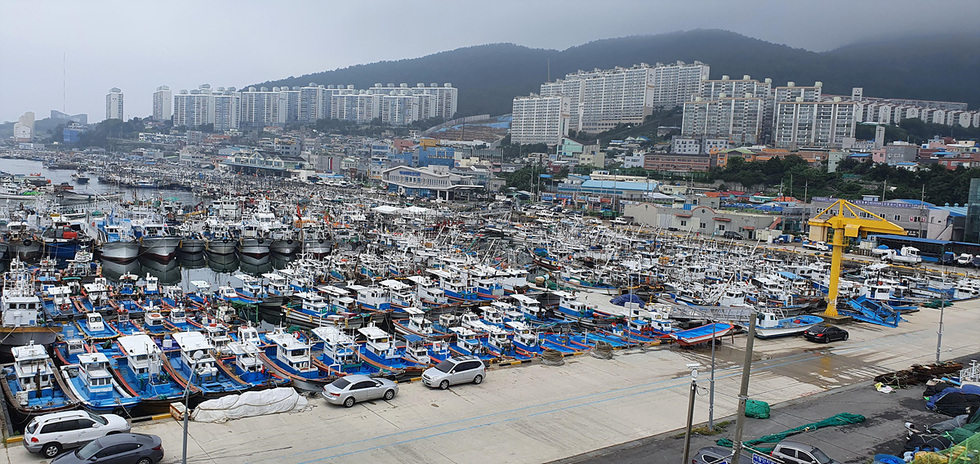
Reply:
x=248, y=404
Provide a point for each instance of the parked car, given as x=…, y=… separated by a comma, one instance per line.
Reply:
x=352, y=389
x=732, y=234
x=815, y=245
x=792, y=452
x=825, y=333
x=718, y=455
x=453, y=371
x=50, y=434
x=120, y=448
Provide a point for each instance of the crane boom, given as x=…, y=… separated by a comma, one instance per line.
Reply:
x=847, y=222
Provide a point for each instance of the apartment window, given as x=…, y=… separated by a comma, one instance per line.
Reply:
x=898, y=217
x=683, y=223
x=703, y=225
x=721, y=227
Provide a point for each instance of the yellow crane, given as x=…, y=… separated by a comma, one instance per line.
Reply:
x=849, y=221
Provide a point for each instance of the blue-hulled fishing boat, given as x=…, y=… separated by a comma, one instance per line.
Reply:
x=92, y=383
x=32, y=386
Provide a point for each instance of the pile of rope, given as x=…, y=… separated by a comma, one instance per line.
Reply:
x=551, y=357
x=602, y=350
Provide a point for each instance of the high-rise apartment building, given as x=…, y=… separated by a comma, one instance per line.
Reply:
x=735, y=110
x=162, y=104
x=203, y=105
x=803, y=118
x=674, y=84
x=601, y=99
x=114, y=104
x=260, y=107
x=540, y=119
x=24, y=128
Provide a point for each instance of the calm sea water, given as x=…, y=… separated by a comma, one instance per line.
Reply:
x=57, y=176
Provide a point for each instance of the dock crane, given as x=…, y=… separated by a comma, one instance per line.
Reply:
x=847, y=222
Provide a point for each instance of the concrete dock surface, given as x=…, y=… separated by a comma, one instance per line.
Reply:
x=537, y=413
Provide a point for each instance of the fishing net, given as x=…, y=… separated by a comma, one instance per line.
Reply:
x=551, y=357
x=965, y=451
x=602, y=350
x=835, y=421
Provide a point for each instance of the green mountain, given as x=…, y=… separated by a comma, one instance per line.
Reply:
x=488, y=77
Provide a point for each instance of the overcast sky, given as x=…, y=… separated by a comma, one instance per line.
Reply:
x=140, y=45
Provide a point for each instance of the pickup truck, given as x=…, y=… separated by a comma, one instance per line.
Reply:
x=815, y=245
x=906, y=255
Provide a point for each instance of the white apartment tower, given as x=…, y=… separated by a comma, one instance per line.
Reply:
x=734, y=110
x=802, y=118
x=674, y=84
x=114, y=104
x=203, y=105
x=540, y=119
x=24, y=127
x=260, y=107
x=162, y=104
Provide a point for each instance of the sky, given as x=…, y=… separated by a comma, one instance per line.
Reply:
x=67, y=54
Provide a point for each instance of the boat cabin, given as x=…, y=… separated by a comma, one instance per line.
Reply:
x=249, y=335
x=497, y=338
x=246, y=357
x=493, y=315
x=142, y=354
x=415, y=349
x=94, y=323
x=292, y=352
x=378, y=341
x=154, y=322
x=466, y=338
x=33, y=370
x=528, y=305
x=195, y=353
x=399, y=293
x=522, y=333
x=94, y=371
x=340, y=346
x=471, y=321
x=151, y=285
x=313, y=302
x=417, y=322
x=217, y=334
x=98, y=291
x=227, y=293
x=178, y=315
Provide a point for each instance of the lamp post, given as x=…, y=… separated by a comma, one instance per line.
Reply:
x=939, y=340
x=711, y=393
x=690, y=411
x=187, y=395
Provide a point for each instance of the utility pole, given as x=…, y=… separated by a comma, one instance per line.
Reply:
x=743, y=392
x=939, y=341
x=690, y=411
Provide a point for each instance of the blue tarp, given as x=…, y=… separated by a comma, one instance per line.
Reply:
x=621, y=300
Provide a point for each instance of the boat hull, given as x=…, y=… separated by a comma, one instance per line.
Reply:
x=22, y=336
x=159, y=247
x=120, y=251
x=285, y=247
x=27, y=250
x=221, y=246
x=192, y=245
x=254, y=247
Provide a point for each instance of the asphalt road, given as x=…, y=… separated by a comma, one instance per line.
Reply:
x=883, y=432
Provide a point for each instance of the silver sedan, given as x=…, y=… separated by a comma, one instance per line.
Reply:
x=352, y=389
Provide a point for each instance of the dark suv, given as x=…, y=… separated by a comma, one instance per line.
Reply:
x=732, y=234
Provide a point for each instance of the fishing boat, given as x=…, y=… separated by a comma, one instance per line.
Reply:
x=32, y=385
x=769, y=324
x=116, y=240
x=95, y=328
x=290, y=357
x=379, y=349
x=340, y=352
x=22, y=311
x=140, y=371
x=702, y=334
x=193, y=366
x=91, y=381
x=157, y=240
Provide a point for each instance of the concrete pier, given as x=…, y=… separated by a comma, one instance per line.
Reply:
x=535, y=413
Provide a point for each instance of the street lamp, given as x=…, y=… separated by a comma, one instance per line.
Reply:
x=711, y=394
x=187, y=395
x=690, y=410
